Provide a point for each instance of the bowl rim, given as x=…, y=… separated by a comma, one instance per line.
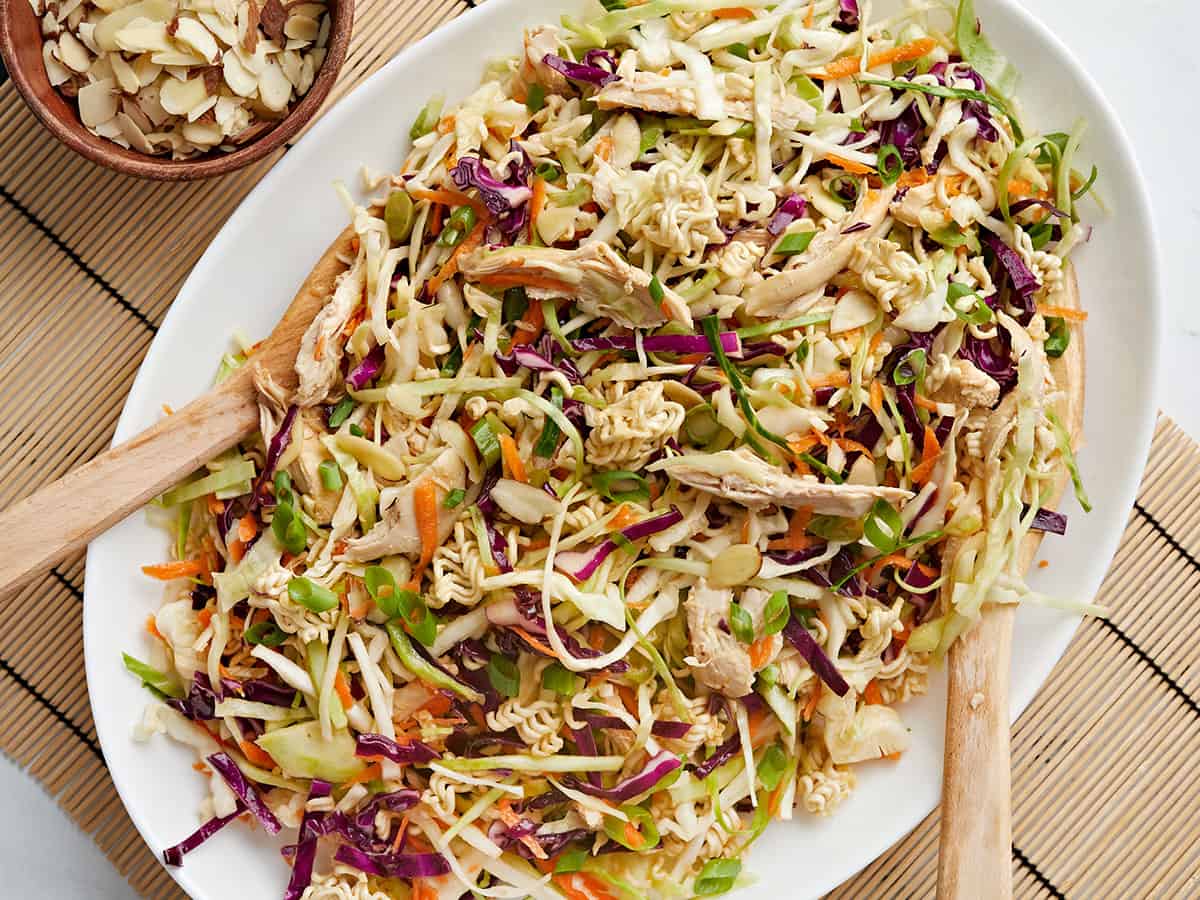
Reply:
x=113, y=156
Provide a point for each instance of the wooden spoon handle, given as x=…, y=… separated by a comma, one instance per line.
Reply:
x=975, y=862
x=62, y=517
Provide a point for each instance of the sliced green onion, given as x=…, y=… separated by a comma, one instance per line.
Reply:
x=650, y=136
x=486, y=442
x=504, y=675
x=842, y=184
x=776, y=613
x=547, y=171
x=330, y=474
x=183, y=525
x=701, y=425
x=515, y=304
x=739, y=50
x=1059, y=337
x=802, y=351
x=357, y=431
x=1068, y=455
x=621, y=485
x=701, y=288
x=717, y=877
x=1087, y=186
x=642, y=822
x=808, y=90
x=570, y=861
x=425, y=671
x=398, y=215
x=1040, y=234
x=266, y=633
x=558, y=679
x=289, y=529
x=463, y=218
x=937, y=90
x=656, y=290
x=535, y=98
x=978, y=314
x=550, y=314
x=951, y=237
x=890, y=164
x=427, y=118
x=857, y=127
x=450, y=237
x=712, y=330
x=883, y=527
x=454, y=498
x=826, y=470
x=772, y=766
x=341, y=412
x=381, y=585
x=740, y=623
x=310, y=595
x=766, y=329
x=796, y=242
x=910, y=368
x=159, y=683
x=452, y=363
x=836, y=529
x=769, y=674
x=547, y=442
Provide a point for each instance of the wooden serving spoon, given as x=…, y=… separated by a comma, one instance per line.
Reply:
x=62, y=517
x=975, y=856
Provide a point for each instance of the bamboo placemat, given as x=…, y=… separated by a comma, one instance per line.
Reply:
x=1105, y=796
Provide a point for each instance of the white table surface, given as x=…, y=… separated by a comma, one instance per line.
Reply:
x=42, y=852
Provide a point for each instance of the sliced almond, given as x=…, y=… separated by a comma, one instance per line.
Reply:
x=86, y=35
x=69, y=8
x=290, y=62
x=226, y=33
x=38, y=7
x=133, y=134
x=148, y=100
x=123, y=72
x=55, y=70
x=179, y=97
x=240, y=79
x=203, y=134
x=323, y=34
x=50, y=25
x=102, y=68
x=111, y=131
x=73, y=54
x=110, y=5
x=248, y=26
x=144, y=36
x=196, y=112
x=147, y=70
x=272, y=18
x=227, y=10
x=274, y=89
x=154, y=10
x=854, y=310
x=131, y=108
x=179, y=59
x=308, y=71
x=302, y=28
x=98, y=102
x=192, y=34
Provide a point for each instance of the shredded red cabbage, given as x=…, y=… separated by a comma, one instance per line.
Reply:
x=200, y=703
x=847, y=18
x=656, y=769
x=500, y=198
x=237, y=782
x=523, y=613
x=586, y=742
x=378, y=745
x=1021, y=205
x=394, y=865
x=904, y=134
x=304, y=852
x=589, y=74
x=1050, y=521
x=662, y=728
x=1024, y=282
x=173, y=856
x=821, y=664
x=536, y=360
x=720, y=756
x=786, y=213
x=367, y=370
x=633, y=533
x=279, y=442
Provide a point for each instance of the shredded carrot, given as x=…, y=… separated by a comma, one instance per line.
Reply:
x=840, y=378
x=534, y=642
x=184, y=568
x=437, y=705
x=425, y=505
x=776, y=796
x=732, y=12
x=596, y=636
x=215, y=506
x=356, y=319
x=237, y=549
x=1018, y=187
x=796, y=538
x=633, y=837
x=247, y=528
x=319, y=348
x=1043, y=564
x=342, y=686
x=1064, y=312
x=398, y=840
x=892, y=559
x=757, y=718
x=929, y=457
x=450, y=266
x=849, y=65
x=448, y=197
x=628, y=697
x=152, y=628
x=582, y=886
x=604, y=148
x=370, y=773
x=512, y=458
x=954, y=184
x=516, y=279
x=760, y=651
x=925, y=403
x=537, y=201
x=855, y=168
x=914, y=177
x=872, y=694
x=894, y=757
x=423, y=890
x=256, y=754
x=625, y=517
x=808, y=16
x=810, y=708
x=437, y=212
x=475, y=711
x=201, y=768
x=804, y=444
x=876, y=397
x=204, y=617
x=531, y=325
x=853, y=446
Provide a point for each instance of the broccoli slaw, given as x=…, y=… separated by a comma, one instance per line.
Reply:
x=686, y=394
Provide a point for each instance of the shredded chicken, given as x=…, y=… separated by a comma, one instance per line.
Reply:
x=722, y=662
x=964, y=385
x=319, y=362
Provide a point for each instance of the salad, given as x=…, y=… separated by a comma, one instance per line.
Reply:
x=685, y=395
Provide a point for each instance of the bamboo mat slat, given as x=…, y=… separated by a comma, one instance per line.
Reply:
x=1104, y=794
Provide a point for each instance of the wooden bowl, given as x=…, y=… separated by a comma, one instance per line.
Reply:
x=21, y=49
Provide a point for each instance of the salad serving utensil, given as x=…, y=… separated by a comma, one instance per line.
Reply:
x=975, y=851
x=65, y=515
